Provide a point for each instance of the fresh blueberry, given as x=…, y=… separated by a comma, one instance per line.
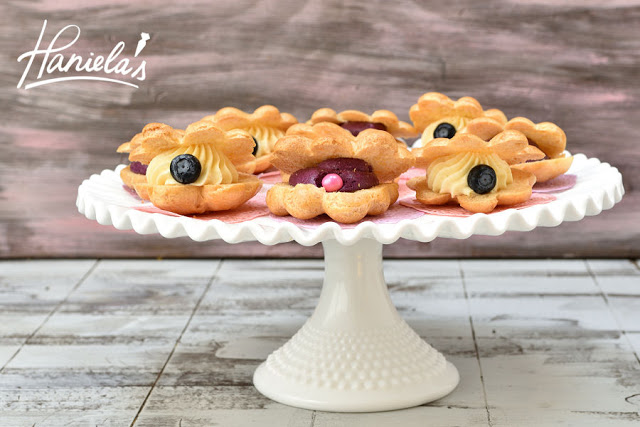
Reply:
x=444, y=130
x=481, y=179
x=255, y=147
x=185, y=168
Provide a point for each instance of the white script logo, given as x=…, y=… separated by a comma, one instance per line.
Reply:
x=76, y=63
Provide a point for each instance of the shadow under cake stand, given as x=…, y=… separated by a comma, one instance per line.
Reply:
x=355, y=353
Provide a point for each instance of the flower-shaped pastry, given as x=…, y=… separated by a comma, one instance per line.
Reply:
x=136, y=171
x=551, y=140
x=331, y=171
x=194, y=171
x=475, y=173
x=437, y=116
x=266, y=125
x=357, y=121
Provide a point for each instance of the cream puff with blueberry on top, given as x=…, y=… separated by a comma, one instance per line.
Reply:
x=437, y=116
x=476, y=174
x=266, y=125
x=328, y=170
x=197, y=170
x=136, y=171
x=356, y=121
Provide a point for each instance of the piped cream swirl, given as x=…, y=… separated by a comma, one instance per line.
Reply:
x=449, y=174
x=266, y=137
x=216, y=167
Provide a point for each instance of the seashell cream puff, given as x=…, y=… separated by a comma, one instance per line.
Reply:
x=551, y=140
x=328, y=170
x=437, y=116
x=356, y=121
x=266, y=125
x=194, y=171
x=136, y=171
x=474, y=173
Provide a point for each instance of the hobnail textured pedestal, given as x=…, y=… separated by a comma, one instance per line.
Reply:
x=355, y=353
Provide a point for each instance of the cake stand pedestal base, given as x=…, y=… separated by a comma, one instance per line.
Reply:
x=355, y=353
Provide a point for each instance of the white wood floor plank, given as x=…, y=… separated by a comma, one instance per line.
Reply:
x=522, y=286
x=627, y=311
x=616, y=277
x=86, y=328
x=433, y=317
x=85, y=365
x=406, y=271
x=438, y=416
x=143, y=286
x=7, y=351
x=572, y=375
x=554, y=418
x=634, y=340
x=551, y=316
x=38, y=286
x=224, y=406
x=16, y=327
x=551, y=351
x=262, y=285
x=522, y=268
x=74, y=406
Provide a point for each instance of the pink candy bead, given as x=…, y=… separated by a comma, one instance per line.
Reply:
x=332, y=182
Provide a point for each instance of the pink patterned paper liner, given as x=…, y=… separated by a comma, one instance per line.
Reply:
x=272, y=177
x=407, y=207
x=395, y=214
x=412, y=173
x=252, y=209
x=457, y=211
x=557, y=184
x=131, y=191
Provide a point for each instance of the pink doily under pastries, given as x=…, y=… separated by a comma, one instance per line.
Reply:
x=395, y=214
x=559, y=183
x=457, y=211
x=406, y=209
x=254, y=208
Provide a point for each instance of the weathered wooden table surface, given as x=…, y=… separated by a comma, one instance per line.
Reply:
x=175, y=343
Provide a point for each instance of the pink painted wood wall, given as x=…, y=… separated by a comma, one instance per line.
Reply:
x=575, y=63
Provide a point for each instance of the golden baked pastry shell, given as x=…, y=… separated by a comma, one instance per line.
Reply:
x=306, y=201
x=550, y=138
x=191, y=199
x=511, y=146
x=433, y=106
x=305, y=146
x=518, y=191
x=544, y=170
x=131, y=179
x=229, y=118
x=395, y=127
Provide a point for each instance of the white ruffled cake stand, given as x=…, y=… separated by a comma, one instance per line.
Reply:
x=355, y=353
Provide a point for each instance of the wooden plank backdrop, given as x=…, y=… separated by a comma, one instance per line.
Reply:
x=574, y=63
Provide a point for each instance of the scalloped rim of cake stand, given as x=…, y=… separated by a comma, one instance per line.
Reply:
x=598, y=187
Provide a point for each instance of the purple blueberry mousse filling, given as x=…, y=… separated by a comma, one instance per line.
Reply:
x=139, y=168
x=356, y=174
x=539, y=160
x=356, y=127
